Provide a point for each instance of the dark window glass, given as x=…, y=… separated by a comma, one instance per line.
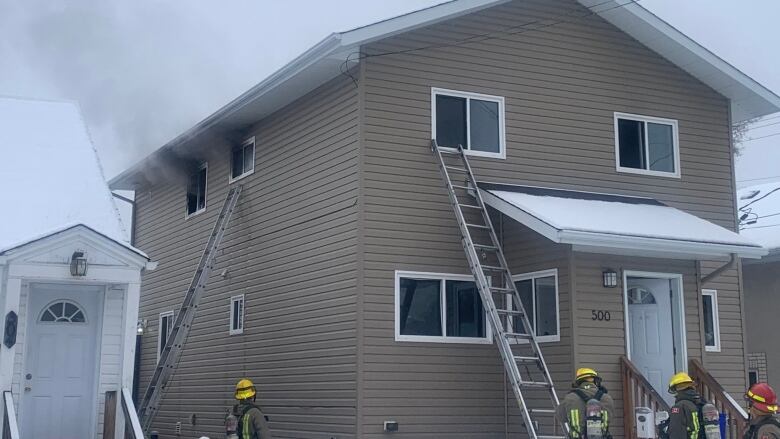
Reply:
x=238, y=305
x=196, y=191
x=660, y=140
x=631, y=141
x=526, y=290
x=546, y=307
x=465, y=317
x=709, y=323
x=238, y=162
x=753, y=377
x=420, y=307
x=249, y=157
x=48, y=316
x=451, y=121
x=484, y=126
x=78, y=317
x=165, y=330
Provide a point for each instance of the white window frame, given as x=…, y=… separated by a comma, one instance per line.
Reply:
x=715, y=320
x=247, y=142
x=657, y=120
x=553, y=272
x=442, y=277
x=240, y=329
x=482, y=97
x=187, y=213
x=163, y=315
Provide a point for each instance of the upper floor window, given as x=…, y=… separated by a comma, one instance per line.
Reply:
x=539, y=294
x=647, y=145
x=711, y=322
x=196, y=191
x=243, y=159
x=472, y=120
x=439, y=308
x=237, y=315
x=164, y=331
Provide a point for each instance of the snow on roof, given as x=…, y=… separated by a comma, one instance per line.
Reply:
x=325, y=61
x=50, y=176
x=604, y=222
x=761, y=203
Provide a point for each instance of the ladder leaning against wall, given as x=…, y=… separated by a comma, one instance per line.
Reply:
x=171, y=352
x=525, y=367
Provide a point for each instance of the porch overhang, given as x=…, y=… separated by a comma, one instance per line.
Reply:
x=616, y=224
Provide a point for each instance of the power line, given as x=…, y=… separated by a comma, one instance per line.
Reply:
x=761, y=137
x=761, y=227
x=758, y=179
x=760, y=198
x=763, y=126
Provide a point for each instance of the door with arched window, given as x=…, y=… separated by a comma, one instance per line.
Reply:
x=58, y=377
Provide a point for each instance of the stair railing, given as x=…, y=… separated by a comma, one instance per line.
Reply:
x=637, y=392
x=711, y=390
x=10, y=427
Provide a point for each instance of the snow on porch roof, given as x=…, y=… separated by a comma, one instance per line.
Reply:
x=604, y=223
x=50, y=176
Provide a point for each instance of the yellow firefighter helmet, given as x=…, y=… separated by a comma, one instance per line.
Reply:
x=245, y=389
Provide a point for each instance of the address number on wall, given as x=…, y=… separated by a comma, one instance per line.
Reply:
x=601, y=315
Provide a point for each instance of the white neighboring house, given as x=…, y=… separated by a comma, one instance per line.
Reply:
x=760, y=222
x=69, y=281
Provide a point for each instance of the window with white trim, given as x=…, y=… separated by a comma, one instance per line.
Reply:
x=647, y=145
x=539, y=294
x=433, y=307
x=196, y=191
x=242, y=159
x=164, y=331
x=472, y=120
x=711, y=321
x=237, y=314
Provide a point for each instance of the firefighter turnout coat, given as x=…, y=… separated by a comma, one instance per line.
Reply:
x=684, y=418
x=572, y=408
x=252, y=424
x=764, y=427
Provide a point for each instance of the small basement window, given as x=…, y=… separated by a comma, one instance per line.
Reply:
x=472, y=120
x=439, y=308
x=243, y=159
x=539, y=294
x=237, y=314
x=647, y=145
x=711, y=321
x=164, y=331
x=196, y=191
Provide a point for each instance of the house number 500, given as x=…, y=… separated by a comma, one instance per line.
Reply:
x=601, y=315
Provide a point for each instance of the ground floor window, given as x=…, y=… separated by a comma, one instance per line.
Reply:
x=539, y=294
x=431, y=307
x=711, y=323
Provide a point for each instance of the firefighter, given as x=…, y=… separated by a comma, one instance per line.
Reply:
x=684, y=420
x=764, y=421
x=587, y=408
x=251, y=421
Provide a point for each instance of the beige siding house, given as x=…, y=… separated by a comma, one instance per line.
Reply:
x=344, y=255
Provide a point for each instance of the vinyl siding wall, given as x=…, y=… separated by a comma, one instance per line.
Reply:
x=290, y=249
x=562, y=84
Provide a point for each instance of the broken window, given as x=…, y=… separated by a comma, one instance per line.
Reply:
x=647, y=144
x=196, y=191
x=243, y=159
x=473, y=121
x=539, y=295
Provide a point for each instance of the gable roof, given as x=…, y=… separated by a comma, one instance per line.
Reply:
x=324, y=61
x=761, y=203
x=50, y=175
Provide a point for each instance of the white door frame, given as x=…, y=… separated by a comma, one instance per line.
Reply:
x=678, y=300
x=100, y=290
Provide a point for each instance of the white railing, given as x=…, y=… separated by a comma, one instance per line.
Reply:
x=10, y=427
x=132, y=423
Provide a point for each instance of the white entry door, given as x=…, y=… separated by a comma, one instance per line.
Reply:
x=58, y=378
x=651, y=330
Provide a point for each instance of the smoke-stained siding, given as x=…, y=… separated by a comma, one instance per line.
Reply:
x=290, y=248
x=562, y=85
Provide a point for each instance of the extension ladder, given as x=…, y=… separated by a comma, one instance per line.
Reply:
x=520, y=352
x=171, y=352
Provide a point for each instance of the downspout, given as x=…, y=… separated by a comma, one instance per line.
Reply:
x=728, y=266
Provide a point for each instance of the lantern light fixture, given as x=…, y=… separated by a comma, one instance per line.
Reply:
x=610, y=278
x=78, y=264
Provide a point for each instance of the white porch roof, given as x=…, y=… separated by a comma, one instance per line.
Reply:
x=605, y=223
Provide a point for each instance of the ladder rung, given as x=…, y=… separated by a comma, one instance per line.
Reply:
x=511, y=312
x=493, y=268
x=502, y=290
x=457, y=169
x=550, y=437
x=543, y=412
x=448, y=150
x=517, y=335
x=520, y=358
x=470, y=206
x=467, y=188
x=477, y=226
x=485, y=247
x=535, y=384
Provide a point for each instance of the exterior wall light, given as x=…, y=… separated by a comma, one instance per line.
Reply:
x=610, y=278
x=140, y=327
x=78, y=264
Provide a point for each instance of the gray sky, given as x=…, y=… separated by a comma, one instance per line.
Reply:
x=145, y=70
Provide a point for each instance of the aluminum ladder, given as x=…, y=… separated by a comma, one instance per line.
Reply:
x=525, y=367
x=171, y=352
